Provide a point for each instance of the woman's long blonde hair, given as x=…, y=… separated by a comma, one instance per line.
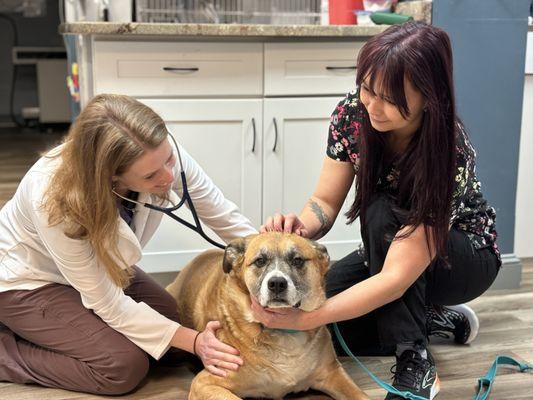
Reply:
x=110, y=133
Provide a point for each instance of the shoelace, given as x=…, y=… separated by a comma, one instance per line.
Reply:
x=404, y=376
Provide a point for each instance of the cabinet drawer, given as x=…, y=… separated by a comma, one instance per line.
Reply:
x=178, y=68
x=326, y=68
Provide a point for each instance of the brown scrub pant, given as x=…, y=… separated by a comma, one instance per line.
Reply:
x=51, y=339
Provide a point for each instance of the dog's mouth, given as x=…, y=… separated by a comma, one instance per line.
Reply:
x=280, y=303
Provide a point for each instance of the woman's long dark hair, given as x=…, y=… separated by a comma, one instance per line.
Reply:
x=422, y=54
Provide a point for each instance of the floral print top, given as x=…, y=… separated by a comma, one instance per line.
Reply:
x=470, y=211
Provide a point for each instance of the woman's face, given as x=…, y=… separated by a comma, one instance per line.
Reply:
x=385, y=115
x=150, y=173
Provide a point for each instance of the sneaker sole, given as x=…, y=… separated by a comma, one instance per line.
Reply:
x=435, y=389
x=472, y=320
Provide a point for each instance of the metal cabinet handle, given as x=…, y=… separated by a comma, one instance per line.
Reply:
x=275, y=134
x=191, y=69
x=341, y=68
x=253, y=127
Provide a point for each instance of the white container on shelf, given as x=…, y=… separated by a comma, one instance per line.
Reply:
x=84, y=10
x=94, y=10
x=324, y=12
x=120, y=10
x=377, y=5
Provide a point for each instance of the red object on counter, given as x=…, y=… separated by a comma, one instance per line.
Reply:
x=341, y=12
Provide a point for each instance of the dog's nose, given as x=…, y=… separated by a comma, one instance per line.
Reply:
x=277, y=284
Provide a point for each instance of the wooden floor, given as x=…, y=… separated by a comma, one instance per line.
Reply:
x=18, y=151
x=506, y=319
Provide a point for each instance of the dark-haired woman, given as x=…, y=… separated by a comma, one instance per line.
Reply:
x=428, y=234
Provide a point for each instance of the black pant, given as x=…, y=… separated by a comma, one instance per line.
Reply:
x=470, y=273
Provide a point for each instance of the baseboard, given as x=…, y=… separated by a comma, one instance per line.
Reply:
x=166, y=261
x=510, y=274
x=164, y=278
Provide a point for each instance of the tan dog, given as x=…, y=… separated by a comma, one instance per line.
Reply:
x=280, y=270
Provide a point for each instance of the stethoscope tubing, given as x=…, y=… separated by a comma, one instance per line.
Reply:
x=186, y=197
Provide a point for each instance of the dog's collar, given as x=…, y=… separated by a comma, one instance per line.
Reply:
x=288, y=330
x=281, y=330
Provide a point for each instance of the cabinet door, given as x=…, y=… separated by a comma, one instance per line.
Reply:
x=291, y=170
x=219, y=135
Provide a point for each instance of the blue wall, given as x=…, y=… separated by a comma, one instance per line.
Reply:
x=489, y=43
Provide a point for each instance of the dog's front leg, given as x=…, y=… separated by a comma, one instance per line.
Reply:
x=335, y=382
x=206, y=386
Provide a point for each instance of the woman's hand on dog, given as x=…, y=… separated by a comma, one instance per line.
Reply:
x=216, y=355
x=288, y=223
x=282, y=318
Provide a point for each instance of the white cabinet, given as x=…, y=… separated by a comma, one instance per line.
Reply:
x=212, y=97
x=295, y=141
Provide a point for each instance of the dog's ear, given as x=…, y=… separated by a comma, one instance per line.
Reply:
x=322, y=253
x=321, y=250
x=233, y=254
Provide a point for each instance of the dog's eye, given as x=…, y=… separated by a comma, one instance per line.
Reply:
x=297, y=262
x=260, y=262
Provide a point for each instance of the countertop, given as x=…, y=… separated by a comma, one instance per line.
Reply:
x=420, y=10
x=218, y=30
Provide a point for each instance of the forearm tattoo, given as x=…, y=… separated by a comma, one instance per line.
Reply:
x=325, y=223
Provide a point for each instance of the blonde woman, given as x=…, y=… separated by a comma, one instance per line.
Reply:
x=76, y=311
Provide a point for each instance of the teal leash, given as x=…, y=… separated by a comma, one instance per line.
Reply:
x=484, y=384
x=383, y=385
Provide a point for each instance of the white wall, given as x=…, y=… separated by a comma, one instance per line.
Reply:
x=524, y=196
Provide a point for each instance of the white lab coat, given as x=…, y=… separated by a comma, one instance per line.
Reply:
x=33, y=254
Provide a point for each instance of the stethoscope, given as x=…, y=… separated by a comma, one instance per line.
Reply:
x=186, y=197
